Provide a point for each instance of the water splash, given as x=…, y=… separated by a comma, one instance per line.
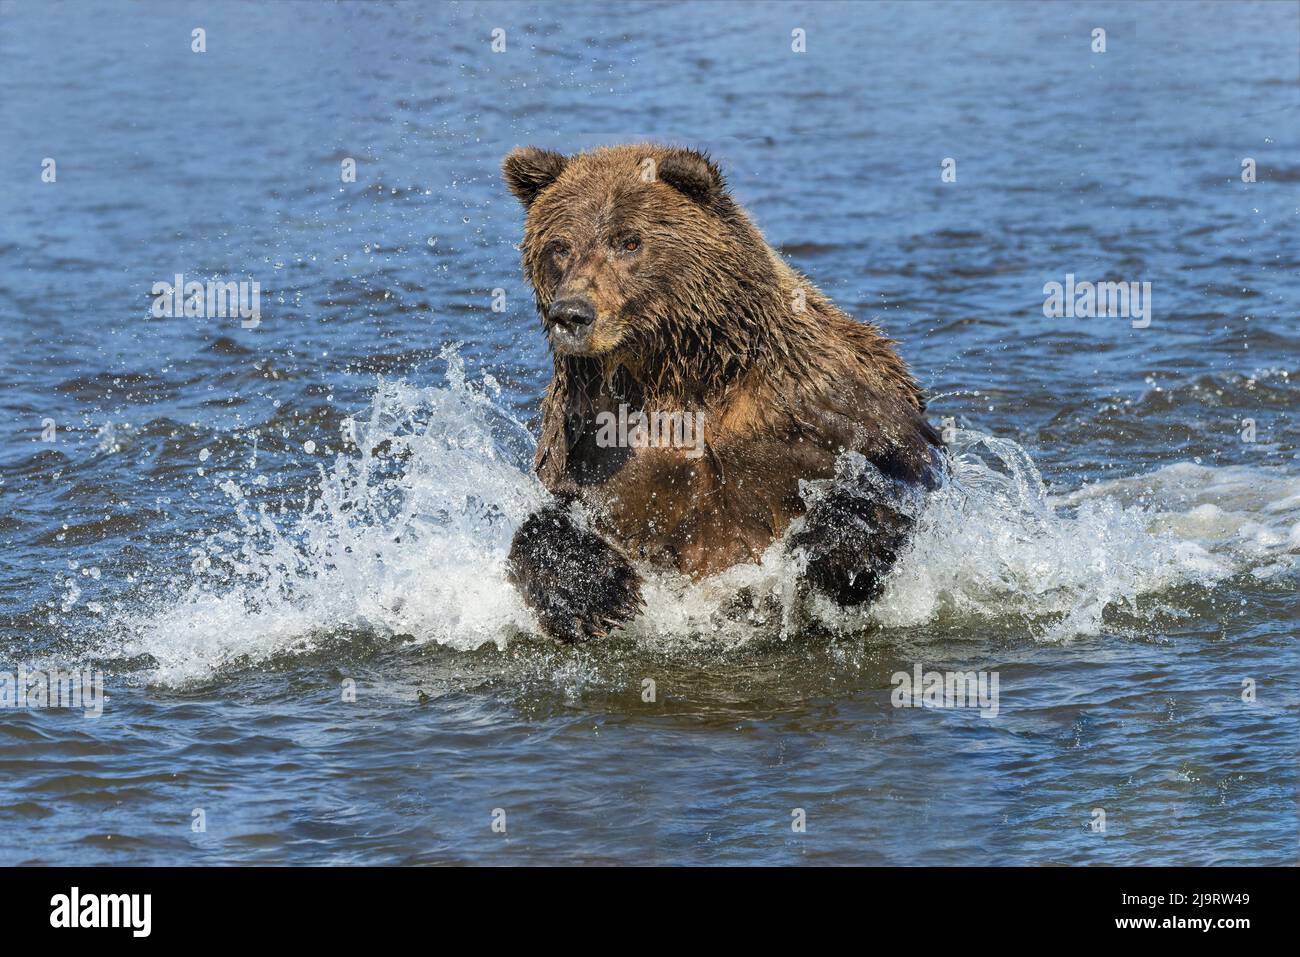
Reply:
x=406, y=536
x=993, y=544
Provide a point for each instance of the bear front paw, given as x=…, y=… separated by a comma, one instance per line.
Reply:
x=575, y=582
x=849, y=544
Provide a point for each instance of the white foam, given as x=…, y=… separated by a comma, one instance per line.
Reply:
x=408, y=537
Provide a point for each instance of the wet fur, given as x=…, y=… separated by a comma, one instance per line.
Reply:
x=717, y=323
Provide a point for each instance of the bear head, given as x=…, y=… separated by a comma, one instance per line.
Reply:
x=631, y=249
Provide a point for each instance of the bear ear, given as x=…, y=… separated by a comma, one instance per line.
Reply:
x=529, y=170
x=693, y=175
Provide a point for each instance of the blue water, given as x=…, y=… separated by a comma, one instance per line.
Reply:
x=202, y=529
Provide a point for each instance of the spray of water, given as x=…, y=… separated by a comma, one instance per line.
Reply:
x=406, y=535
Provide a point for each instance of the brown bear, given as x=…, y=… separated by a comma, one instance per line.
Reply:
x=661, y=299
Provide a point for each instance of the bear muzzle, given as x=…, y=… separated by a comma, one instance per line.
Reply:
x=569, y=322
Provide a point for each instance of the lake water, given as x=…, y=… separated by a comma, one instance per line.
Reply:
x=181, y=506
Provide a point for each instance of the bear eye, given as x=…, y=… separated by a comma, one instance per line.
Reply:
x=629, y=244
x=559, y=249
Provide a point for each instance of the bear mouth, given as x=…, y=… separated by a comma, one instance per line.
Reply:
x=570, y=337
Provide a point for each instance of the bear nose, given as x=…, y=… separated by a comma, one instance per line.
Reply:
x=571, y=312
